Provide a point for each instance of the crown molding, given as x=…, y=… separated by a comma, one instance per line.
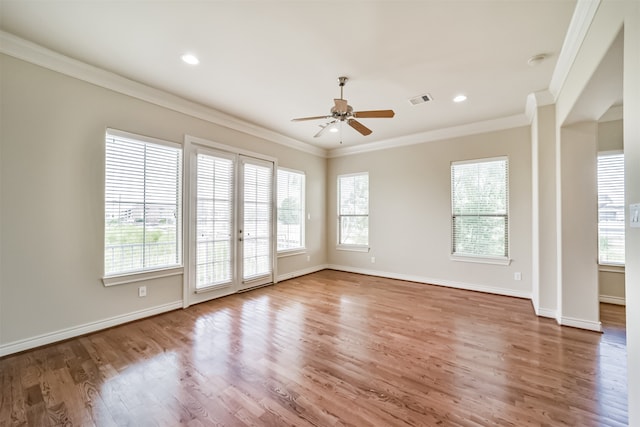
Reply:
x=580, y=22
x=33, y=53
x=492, y=125
x=535, y=100
x=30, y=52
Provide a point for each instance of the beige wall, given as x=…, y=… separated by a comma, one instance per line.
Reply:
x=410, y=212
x=610, y=18
x=52, y=188
x=610, y=135
x=578, y=201
x=51, y=159
x=611, y=284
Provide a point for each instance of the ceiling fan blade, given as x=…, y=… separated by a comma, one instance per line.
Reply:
x=324, y=128
x=301, y=119
x=359, y=127
x=374, y=114
x=341, y=105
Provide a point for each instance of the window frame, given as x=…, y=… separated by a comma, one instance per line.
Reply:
x=615, y=265
x=340, y=216
x=141, y=274
x=303, y=213
x=482, y=258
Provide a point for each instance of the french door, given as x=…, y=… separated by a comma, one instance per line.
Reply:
x=231, y=245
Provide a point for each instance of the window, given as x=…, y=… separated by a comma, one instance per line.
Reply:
x=291, y=219
x=214, y=220
x=480, y=208
x=353, y=210
x=611, y=208
x=142, y=204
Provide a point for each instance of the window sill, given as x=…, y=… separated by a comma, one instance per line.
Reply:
x=291, y=252
x=481, y=260
x=352, y=248
x=611, y=268
x=141, y=276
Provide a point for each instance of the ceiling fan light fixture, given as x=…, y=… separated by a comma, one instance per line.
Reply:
x=190, y=59
x=460, y=98
x=333, y=129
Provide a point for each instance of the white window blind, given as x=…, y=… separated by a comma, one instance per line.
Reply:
x=480, y=208
x=611, y=208
x=143, y=221
x=353, y=209
x=257, y=206
x=214, y=220
x=291, y=218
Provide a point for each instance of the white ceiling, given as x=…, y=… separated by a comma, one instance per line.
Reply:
x=267, y=62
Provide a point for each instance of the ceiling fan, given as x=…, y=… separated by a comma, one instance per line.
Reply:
x=343, y=112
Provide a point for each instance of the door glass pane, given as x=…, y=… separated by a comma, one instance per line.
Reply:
x=257, y=220
x=214, y=216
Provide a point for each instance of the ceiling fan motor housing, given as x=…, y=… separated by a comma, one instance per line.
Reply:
x=342, y=116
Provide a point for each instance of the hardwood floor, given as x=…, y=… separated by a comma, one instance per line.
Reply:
x=329, y=349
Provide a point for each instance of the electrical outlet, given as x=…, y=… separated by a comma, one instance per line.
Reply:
x=373, y=260
x=142, y=291
x=308, y=258
x=517, y=276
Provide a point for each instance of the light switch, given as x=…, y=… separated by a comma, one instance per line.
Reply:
x=634, y=215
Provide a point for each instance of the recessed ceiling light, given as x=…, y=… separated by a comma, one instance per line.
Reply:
x=190, y=59
x=460, y=98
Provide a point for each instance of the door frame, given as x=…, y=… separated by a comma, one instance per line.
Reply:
x=191, y=146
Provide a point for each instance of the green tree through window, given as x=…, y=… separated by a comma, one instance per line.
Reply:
x=480, y=214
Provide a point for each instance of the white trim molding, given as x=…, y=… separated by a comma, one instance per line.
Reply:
x=544, y=312
x=480, y=259
x=581, y=20
x=303, y=272
x=437, y=282
x=610, y=299
x=33, y=53
x=580, y=323
x=27, y=51
x=485, y=126
x=535, y=100
x=547, y=312
x=140, y=276
x=75, y=331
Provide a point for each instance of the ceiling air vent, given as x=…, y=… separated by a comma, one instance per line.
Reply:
x=420, y=99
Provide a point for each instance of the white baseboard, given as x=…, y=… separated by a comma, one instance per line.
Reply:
x=613, y=300
x=544, y=312
x=63, y=334
x=580, y=323
x=302, y=272
x=438, y=282
x=547, y=312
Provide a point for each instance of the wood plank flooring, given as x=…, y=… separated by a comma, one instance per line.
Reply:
x=329, y=349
